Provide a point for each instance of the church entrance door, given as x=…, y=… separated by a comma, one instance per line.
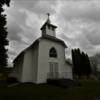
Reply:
x=53, y=70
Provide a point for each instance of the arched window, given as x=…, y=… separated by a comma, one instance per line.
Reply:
x=53, y=53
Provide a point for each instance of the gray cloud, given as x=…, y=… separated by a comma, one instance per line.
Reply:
x=94, y=37
x=13, y=32
x=86, y=10
x=78, y=23
x=39, y=7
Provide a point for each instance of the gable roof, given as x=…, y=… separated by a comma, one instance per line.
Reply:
x=22, y=53
x=54, y=39
x=36, y=42
x=48, y=24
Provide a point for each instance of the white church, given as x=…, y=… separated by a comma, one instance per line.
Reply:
x=44, y=59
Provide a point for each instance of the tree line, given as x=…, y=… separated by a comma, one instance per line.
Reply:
x=81, y=63
x=3, y=36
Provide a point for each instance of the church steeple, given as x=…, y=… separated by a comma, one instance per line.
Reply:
x=48, y=28
x=48, y=20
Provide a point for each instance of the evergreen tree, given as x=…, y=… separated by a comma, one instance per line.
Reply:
x=76, y=61
x=3, y=36
x=89, y=70
x=81, y=63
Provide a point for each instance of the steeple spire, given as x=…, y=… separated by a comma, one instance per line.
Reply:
x=48, y=20
x=48, y=15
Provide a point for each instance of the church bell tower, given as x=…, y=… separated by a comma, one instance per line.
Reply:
x=48, y=28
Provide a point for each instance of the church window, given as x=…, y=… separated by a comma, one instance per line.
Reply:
x=53, y=53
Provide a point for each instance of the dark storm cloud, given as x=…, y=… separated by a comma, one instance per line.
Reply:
x=16, y=19
x=78, y=23
x=11, y=52
x=84, y=9
x=89, y=15
x=37, y=6
x=13, y=32
x=94, y=37
x=81, y=22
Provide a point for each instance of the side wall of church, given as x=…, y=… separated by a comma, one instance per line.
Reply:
x=17, y=70
x=30, y=65
x=44, y=60
x=67, y=72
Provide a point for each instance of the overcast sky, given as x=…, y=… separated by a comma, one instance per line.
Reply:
x=78, y=23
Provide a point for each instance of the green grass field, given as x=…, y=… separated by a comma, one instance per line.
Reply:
x=90, y=90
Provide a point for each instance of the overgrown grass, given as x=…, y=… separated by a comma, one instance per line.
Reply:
x=89, y=90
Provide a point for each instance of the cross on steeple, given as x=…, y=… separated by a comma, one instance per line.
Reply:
x=48, y=15
x=48, y=28
x=48, y=20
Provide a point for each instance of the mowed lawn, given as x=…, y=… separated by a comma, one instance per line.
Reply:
x=89, y=90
